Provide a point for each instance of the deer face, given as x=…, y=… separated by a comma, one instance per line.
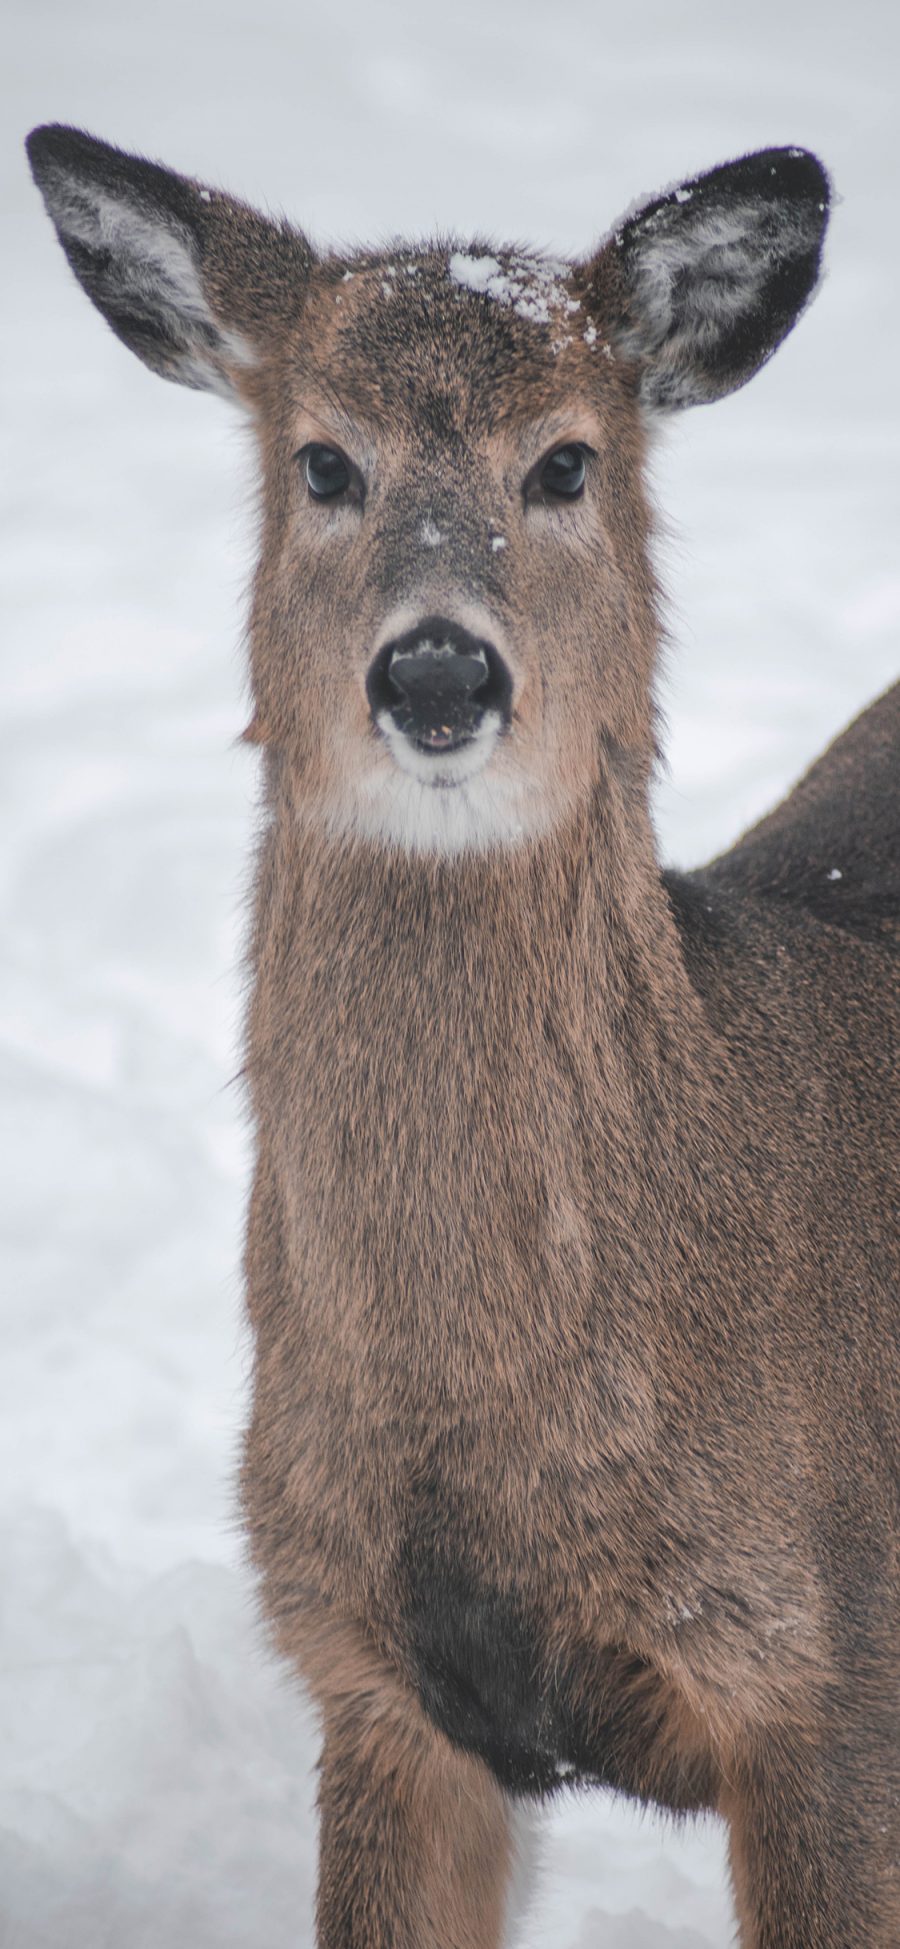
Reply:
x=453, y=605
x=453, y=623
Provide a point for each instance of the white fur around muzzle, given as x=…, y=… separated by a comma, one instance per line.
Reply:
x=473, y=800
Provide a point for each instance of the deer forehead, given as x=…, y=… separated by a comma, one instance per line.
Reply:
x=451, y=342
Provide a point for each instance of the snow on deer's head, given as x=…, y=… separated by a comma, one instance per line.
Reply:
x=454, y=617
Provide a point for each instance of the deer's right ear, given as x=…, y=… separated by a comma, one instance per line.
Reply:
x=189, y=279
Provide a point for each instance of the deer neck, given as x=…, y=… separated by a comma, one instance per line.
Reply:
x=415, y=1019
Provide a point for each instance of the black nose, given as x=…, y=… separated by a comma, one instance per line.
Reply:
x=438, y=683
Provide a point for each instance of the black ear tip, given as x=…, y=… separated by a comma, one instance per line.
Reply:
x=37, y=139
x=55, y=145
x=806, y=173
x=51, y=139
x=40, y=146
x=792, y=172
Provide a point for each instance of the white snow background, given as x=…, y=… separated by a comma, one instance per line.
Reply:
x=156, y=1779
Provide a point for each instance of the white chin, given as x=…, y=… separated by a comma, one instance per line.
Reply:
x=442, y=771
x=442, y=803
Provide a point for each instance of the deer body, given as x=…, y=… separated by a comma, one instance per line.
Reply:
x=572, y=1259
x=614, y=1546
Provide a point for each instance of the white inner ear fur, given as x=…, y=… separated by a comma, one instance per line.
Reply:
x=718, y=262
x=700, y=272
x=154, y=267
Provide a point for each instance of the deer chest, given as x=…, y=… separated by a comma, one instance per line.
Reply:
x=602, y=1715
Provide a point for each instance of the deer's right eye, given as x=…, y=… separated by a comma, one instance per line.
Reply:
x=327, y=472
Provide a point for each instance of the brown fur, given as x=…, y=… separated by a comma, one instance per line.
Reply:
x=572, y=1256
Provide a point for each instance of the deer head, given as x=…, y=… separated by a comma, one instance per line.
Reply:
x=454, y=620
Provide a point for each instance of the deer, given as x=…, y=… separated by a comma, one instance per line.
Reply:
x=573, y=1458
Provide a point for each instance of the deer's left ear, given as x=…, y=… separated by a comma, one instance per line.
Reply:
x=699, y=287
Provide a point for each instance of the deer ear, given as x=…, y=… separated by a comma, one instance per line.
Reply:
x=699, y=287
x=188, y=279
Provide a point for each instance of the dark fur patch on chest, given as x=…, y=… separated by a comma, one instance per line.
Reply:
x=476, y=1659
x=484, y=1678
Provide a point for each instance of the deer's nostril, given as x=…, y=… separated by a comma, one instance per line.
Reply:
x=437, y=683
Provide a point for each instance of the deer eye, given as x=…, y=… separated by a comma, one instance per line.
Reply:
x=327, y=472
x=562, y=473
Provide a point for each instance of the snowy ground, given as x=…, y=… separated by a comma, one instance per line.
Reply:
x=155, y=1774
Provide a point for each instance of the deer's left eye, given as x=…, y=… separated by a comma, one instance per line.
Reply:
x=327, y=472
x=562, y=473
